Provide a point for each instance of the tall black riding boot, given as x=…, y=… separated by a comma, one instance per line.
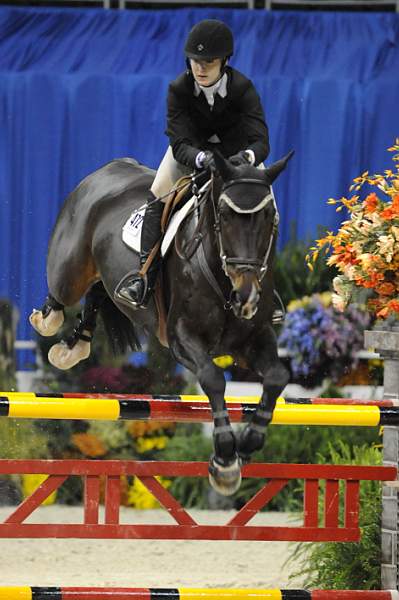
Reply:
x=134, y=289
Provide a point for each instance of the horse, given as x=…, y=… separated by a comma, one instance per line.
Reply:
x=218, y=297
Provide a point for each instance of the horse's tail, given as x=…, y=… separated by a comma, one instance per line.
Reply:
x=120, y=331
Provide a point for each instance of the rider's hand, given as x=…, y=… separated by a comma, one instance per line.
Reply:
x=241, y=158
x=205, y=160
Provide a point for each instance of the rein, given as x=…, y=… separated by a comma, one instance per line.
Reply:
x=192, y=245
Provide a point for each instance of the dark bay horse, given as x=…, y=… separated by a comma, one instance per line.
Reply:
x=219, y=299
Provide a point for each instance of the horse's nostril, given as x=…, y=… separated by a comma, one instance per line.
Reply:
x=235, y=297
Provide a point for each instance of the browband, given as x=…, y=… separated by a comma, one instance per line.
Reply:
x=247, y=180
x=225, y=198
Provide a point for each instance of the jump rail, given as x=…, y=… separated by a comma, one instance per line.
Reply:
x=163, y=408
x=76, y=593
x=202, y=398
x=320, y=481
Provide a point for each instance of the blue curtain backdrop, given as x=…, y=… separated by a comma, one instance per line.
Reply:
x=79, y=87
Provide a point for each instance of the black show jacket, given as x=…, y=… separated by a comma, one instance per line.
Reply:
x=237, y=119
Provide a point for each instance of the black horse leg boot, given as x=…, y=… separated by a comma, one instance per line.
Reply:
x=136, y=289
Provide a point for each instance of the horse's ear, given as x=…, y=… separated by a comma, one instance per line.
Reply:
x=272, y=172
x=225, y=169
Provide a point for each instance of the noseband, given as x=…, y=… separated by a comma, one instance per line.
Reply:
x=259, y=266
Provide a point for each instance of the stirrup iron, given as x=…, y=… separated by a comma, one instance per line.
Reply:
x=121, y=293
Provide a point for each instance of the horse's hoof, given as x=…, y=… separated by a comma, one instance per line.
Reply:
x=63, y=357
x=225, y=479
x=46, y=326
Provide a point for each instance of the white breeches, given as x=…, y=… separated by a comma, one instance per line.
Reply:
x=168, y=173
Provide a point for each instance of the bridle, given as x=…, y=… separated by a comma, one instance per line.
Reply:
x=195, y=246
x=258, y=266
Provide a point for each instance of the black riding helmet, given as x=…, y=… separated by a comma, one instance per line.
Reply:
x=209, y=39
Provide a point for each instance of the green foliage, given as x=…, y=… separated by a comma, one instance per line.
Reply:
x=357, y=566
x=115, y=436
x=20, y=439
x=189, y=443
x=293, y=278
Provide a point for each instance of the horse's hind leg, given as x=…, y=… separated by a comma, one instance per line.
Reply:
x=224, y=465
x=77, y=347
x=264, y=361
x=49, y=319
x=65, y=287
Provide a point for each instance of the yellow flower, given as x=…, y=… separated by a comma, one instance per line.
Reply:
x=31, y=481
x=325, y=298
x=300, y=303
x=141, y=498
x=147, y=444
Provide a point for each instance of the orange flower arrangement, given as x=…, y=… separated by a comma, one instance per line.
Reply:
x=89, y=444
x=365, y=249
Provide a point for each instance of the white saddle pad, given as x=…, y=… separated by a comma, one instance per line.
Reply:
x=131, y=231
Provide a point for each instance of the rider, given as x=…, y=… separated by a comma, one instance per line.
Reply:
x=210, y=105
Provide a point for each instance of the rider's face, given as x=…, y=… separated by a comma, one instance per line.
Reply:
x=206, y=72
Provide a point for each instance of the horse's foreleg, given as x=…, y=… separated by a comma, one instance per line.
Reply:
x=68, y=353
x=49, y=319
x=224, y=465
x=275, y=378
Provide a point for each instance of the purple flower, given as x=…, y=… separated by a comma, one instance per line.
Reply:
x=323, y=342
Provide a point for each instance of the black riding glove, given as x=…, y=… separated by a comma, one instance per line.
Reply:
x=241, y=158
x=205, y=160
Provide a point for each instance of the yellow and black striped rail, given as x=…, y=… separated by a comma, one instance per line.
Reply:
x=184, y=409
x=67, y=593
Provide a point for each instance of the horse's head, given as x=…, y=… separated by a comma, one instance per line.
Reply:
x=246, y=226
